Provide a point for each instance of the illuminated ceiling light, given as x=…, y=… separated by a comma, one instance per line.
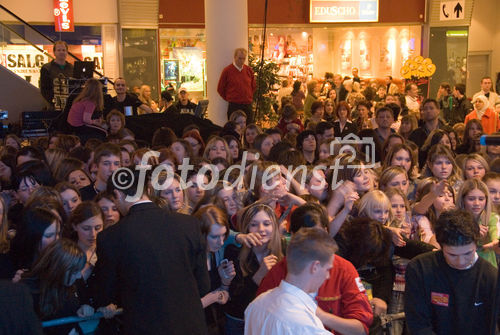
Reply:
x=457, y=33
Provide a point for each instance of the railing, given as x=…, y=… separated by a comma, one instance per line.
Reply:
x=7, y=16
x=88, y=324
x=23, y=48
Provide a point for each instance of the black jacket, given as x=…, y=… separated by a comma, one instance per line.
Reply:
x=419, y=135
x=48, y=73
x=242, y=289
x=349, y=128
x=154, y=264
x=461, y=107
x=443, y=300
x=17, y=316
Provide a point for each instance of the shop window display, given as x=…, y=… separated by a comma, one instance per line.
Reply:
x=183, y=60
x=376, y=51
x=291, y=48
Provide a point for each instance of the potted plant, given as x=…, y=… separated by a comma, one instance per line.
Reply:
x=266, y=77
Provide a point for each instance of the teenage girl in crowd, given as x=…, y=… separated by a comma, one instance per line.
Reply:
x=375, y=209
x=251, y=264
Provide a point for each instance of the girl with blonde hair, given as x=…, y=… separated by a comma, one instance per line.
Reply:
x=394, y=176
x=251, y=264
x=240, y=118
x=408, y=124
x=475, y=166
x=174, y=194
x=402, y=155
x=377, y=206
x=475, y=198
x=217, y=147
x=145, y=97
x=400, y=208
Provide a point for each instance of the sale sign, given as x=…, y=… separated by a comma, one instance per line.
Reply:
x=63, y=15
x=24, y=60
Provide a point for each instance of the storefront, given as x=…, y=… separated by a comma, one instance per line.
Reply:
x=304, y=45
x=377, y=51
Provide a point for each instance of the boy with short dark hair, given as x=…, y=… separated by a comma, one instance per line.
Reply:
x=107, y=158
x=451, y=291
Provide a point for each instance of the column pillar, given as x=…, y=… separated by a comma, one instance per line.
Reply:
x=226, y=28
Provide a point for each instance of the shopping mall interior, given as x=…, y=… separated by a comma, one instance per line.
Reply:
x=141, y=40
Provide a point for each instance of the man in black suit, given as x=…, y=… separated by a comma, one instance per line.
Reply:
x=152, y=263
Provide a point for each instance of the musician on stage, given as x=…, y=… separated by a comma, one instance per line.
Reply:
x=54, y=69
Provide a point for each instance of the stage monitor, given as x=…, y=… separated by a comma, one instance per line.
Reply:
x=201, y=109
x=83, y=70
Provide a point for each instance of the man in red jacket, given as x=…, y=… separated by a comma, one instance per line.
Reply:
x=237, y=85
x=343, y=304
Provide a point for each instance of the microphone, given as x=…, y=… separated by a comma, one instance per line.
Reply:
x=489, y=140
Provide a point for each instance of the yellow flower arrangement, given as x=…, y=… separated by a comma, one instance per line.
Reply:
x=418, y=67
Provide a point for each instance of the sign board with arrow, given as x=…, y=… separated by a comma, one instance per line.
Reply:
x=452, y=10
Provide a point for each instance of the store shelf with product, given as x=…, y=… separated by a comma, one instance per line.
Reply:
x=183, y=60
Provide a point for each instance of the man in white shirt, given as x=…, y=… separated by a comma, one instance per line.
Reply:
x=290, y=308
x=486, y=85
x=411, y=97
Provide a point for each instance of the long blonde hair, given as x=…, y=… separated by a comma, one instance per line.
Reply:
x=143, y=98
x=476, y=184
x=92, y=91
x=274, y=245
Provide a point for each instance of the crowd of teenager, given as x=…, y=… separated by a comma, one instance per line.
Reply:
x=380, y=207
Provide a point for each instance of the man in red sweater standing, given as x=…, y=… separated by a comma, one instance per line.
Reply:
x=237, y=85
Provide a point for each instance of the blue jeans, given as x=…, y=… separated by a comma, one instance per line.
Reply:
x=234, y=326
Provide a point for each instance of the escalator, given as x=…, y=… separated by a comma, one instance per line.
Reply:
x=23, y=51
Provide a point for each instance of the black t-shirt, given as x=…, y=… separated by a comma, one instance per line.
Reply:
x=130, y=100
x=189, y=108
x=48, y=73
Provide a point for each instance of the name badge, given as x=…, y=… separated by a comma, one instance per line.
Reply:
x=440, y=299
